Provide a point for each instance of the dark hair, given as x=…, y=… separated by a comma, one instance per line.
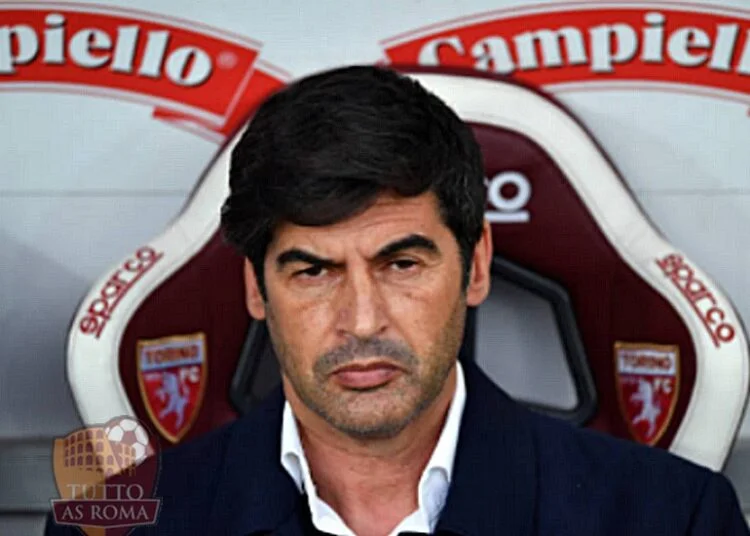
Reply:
x=322, y=149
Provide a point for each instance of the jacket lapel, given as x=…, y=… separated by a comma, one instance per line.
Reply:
x=255, y=494
x=492, y=491
x=493, y=488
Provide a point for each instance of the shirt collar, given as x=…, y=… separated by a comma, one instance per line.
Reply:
x=433, y=484
x=493, y=486
x=434, y=489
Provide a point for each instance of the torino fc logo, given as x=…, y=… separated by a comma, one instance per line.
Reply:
x=647, y=387
x=172, y=378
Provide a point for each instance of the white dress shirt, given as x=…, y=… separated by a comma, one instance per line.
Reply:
x=433, y=484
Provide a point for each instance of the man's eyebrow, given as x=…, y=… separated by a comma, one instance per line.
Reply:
x=413, y=241
x=299, y=255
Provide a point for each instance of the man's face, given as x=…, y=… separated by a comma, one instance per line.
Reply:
x=366, y=315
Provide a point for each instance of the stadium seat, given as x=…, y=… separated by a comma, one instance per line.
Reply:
x=652, y=349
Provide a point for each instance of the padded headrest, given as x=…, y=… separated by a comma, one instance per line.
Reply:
x=663, y=349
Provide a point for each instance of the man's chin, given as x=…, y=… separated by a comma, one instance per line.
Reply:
x=371, y=431
x=372, y=421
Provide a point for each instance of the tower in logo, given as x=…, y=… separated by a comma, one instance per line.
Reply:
x=106, y=477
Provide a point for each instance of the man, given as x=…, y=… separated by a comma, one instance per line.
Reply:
x=358, y=200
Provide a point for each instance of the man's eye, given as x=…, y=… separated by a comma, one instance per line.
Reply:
x=313, y=271
x=403, y=264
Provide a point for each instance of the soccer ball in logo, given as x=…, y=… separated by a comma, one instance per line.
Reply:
x=129, y=431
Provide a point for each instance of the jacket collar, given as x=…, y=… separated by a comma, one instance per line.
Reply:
x=254, y=493
x=492, y=491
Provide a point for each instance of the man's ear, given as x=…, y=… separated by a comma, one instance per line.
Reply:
x=480, y=276
x=253, y=298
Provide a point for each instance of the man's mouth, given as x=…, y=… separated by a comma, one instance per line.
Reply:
x=363, y=376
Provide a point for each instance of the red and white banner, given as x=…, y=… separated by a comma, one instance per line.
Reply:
x=579, y=42
x=188, y=72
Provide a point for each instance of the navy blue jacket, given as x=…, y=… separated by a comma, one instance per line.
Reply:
x=515, y=473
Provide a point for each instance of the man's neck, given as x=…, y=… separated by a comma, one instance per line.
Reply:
x=371, y=484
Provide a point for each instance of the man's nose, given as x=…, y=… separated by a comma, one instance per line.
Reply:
x=362, y=308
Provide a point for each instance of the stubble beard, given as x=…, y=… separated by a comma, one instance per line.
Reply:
x=383, y=412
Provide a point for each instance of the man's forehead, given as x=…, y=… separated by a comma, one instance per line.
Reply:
x=388, y=218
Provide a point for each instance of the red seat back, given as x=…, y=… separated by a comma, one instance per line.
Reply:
x=658, y=353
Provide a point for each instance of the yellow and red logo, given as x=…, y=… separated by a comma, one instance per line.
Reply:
x=648, y=382
x=172, y=374
x=106, y=477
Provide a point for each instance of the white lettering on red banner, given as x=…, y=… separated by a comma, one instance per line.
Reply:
x=187, y=71
x=579, y=42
